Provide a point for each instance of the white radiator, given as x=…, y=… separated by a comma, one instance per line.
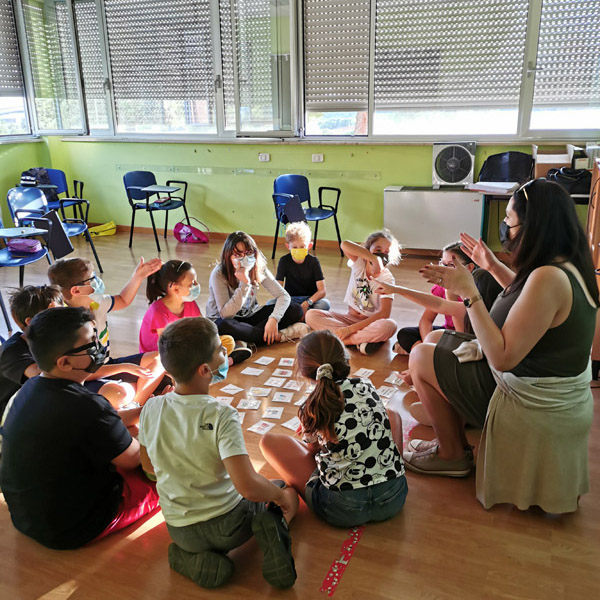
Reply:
x=424, y=218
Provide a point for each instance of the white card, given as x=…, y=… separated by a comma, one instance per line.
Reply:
x=273, y=412
x=248, y=404
x=224, y=399
x=386, y=391
x=310, y=387
x=275, y=381
x=364, y=373
x=259, y=392
x=261, y=427
x=292, y=384
x=292, y=424
x=394, y=378
x=252, y=371
x=242, y=416
x=286, y=362
x=302, y=400
x=231, y=389
x=264, y=360
x=282, y=373
x=283, y=396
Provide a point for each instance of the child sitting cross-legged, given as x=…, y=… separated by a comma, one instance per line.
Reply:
x=299, y=272
x=211, y=497
x=130, y=378
x=61, y=443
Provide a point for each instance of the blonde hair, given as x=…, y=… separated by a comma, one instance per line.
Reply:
x=394, y=256
x=298, y=231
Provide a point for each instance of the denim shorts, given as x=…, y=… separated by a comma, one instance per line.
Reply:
x=350, y=508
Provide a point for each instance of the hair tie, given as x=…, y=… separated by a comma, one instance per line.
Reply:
x=325, y=370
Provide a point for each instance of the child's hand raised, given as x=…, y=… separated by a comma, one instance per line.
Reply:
x=145, y=269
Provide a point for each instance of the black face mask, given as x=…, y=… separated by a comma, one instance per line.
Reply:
x=504, y=235
x=385, y=259
x=97, y=353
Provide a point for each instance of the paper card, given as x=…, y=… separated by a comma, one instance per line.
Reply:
x=386, y=391
x=286, y=362
x=292, y=384
x=283, y=396
x=273, y=412
x=231, y=389
x=259, y=392
x=364, y=373
x=248, y=404
x=310, y=387
x=224, y=399
x=282, y=373
x=261, y=427
x=252, y=371
x=394, y=378
x=275, y=381
x=242, y=416
x=292, y=424
x=302, y=400
x=264, y=360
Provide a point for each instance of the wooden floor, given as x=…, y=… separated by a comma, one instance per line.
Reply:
x=443, y=545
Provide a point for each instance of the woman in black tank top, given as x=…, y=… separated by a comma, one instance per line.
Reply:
x=541, y=325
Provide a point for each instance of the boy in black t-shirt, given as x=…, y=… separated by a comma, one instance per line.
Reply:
x=299, y=272
x=61, y=443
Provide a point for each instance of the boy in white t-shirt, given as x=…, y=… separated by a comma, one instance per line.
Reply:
x=367, y=323
x=211, y=497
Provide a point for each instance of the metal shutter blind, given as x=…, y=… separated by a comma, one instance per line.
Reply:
x=336, y=55
x=568, y=59
x=11, y=76
x=434, y=53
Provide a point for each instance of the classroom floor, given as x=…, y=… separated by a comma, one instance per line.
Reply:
x=444, y=545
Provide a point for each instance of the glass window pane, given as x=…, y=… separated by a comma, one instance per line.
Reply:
x=227, y=63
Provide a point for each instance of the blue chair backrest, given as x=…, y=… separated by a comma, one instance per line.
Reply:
x=23, y=199
x=293, y=184
x=138, y=179
x=59, y=179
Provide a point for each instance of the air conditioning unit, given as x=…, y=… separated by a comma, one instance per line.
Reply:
x=453, y=163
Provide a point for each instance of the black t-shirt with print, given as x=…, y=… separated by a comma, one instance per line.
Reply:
x=300, y=278
x=56, y=475
x=15, y=357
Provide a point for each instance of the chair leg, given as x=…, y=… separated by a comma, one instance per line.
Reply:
x=275, y=239
x=187, y=217
x=316, y=232
x=5, y=313
x=88, y=237
x=166, y=223
x=154, y=229
x=131, y=228
x=21, y=275
x=337, y=230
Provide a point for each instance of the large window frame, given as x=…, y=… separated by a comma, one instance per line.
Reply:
x=297, y=113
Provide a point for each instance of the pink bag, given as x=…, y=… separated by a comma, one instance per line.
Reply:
x=23, y=246
x=188, y=234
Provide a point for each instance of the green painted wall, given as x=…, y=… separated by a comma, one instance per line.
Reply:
x=16, y=158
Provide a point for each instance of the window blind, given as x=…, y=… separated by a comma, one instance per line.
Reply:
x=11, y=75
x=436, y=53
x=336, y=55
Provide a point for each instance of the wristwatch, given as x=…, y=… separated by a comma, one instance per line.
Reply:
x=310, y=303
x=468, y=302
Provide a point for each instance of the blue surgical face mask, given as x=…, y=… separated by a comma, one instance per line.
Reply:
x=221, y=372
x=98, y=286
x=247, y=262
x=193, y=293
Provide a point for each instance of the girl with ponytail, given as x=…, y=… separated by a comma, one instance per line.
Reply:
x=348, y=466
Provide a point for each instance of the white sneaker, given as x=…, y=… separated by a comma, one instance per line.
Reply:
x=294, y=332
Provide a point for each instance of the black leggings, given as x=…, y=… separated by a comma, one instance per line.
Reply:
x=252, y=328
x=409, y=336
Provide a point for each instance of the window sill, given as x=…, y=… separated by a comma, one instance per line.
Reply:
x=26, y=139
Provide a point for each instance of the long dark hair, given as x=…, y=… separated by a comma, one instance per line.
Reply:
x=226, y=267
x=326, y=402
x=158, y=283
x=550, y=231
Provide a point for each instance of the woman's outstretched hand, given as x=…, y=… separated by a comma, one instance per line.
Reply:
x=457, y=280
x=477, y=251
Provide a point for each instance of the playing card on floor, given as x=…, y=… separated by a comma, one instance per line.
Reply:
x=261, y=427
x=292, y=424
x=264, y=360
x=386, y=391
x=242, y=416
x=231, y=389
x=247, y=404
x=283, y=396
x=301, y=401
x=286, y=362
x=273, y=412
x=282, y=373
x=292, y=384
x=275, y=381
x=252, y=371
x=259, y=392
x=394, y=378
x=364, y=372
x=224, y=399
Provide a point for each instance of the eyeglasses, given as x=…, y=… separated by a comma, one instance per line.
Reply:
x=239, y=254
x=94, y=277
x=94, y=344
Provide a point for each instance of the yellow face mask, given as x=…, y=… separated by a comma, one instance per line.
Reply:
x=299, y=254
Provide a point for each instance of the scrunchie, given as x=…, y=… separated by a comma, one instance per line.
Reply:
x=325, y=370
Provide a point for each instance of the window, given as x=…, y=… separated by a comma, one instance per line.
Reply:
x=13, y=114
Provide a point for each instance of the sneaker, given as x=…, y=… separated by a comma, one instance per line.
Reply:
x=424, y=445
x=398, y=349
x=294, y=332
x=369, y=347
x=419, y=414
x=240, y=353
x=207, y=569
x=429, y=463
x=273, y=537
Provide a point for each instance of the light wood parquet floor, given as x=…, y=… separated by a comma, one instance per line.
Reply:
x=444, y=545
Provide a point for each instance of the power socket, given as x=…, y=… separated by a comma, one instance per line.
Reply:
x=317, y=158
x=264, y=157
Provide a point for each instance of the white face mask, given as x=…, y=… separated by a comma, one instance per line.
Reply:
x=247, y=262
x=193, y=293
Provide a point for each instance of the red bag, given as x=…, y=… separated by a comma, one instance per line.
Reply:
x=188, y=234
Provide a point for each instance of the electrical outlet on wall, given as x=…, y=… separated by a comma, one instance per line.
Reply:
x=264, y=157
x=316, y=158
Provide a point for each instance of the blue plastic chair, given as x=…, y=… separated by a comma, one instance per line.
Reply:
x=287, y=187
x=30, y=203
x=59, y=179
x=134, y=182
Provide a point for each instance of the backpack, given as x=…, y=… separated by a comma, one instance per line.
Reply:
x=37, y=176
x=188, y=234
x=575, y=181
x=507, y=166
